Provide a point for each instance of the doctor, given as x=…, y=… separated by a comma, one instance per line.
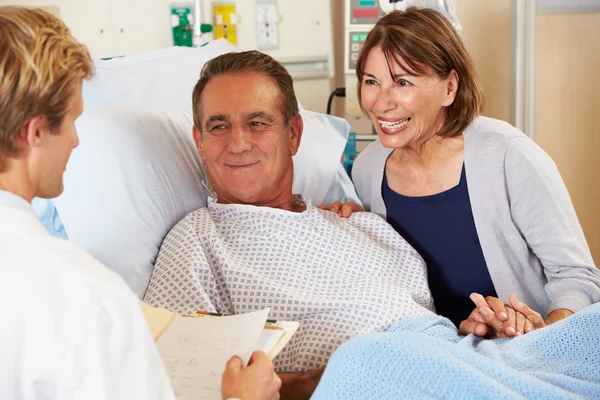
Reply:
x=71, y=328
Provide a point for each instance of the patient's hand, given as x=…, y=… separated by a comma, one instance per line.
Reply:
x=299, y=385
x=344, y=210
x=257, y=381
x=494, y=319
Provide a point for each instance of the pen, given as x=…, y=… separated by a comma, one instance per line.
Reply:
x=200, y=312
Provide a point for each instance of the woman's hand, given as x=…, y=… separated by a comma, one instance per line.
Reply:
x=257, y=381
x=344, y=210
x=494, y=319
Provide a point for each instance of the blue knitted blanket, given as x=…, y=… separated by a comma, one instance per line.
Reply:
x=424, y=358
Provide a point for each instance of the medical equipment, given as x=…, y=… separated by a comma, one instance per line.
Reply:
x=197, y=38
x=199, y=27
x=187, y=26
x=361, y=16
x=181, y=26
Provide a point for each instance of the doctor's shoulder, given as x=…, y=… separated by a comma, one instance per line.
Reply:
x=59, y=268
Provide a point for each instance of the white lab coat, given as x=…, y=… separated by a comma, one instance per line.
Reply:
x=69, y=327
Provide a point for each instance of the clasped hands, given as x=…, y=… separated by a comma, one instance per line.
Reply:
x=495, y=319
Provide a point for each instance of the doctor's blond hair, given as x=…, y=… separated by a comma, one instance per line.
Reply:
x=41, y=65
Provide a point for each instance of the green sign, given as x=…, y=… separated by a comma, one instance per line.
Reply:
x=182, y=33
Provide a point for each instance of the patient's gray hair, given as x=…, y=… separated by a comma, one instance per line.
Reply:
x=248, y=62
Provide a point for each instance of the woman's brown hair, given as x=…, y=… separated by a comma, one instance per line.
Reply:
x=422, y=39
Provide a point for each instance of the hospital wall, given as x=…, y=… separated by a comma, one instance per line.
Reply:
x=113, y=28
x=567, y=106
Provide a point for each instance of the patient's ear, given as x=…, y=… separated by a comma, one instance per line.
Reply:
x=296, y=126
x=198, y=140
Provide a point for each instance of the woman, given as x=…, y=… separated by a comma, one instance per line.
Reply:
x=481, y=202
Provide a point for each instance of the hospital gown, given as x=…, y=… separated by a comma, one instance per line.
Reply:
x=338, y=277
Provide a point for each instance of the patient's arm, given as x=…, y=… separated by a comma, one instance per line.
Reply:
x=344, y=210
x=182, y=280
x=494, y=319
x=299, y=385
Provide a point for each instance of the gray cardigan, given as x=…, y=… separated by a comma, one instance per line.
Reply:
x=531, y=238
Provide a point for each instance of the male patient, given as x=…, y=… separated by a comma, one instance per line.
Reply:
x=71, y=328
x=256, y=245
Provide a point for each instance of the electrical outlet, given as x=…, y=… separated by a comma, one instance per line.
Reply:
x=267, y=27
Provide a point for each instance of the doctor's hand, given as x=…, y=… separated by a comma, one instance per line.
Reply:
x=494, y=319
x=344, y=210
x=257, y=381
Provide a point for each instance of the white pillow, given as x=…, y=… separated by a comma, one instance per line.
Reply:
x=132, y=177
x=317, y=162
x=136, y=173
x=161, y=79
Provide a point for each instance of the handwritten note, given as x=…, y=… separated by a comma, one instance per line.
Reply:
x=195, y=351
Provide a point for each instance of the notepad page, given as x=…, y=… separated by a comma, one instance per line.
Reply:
x=195, y=350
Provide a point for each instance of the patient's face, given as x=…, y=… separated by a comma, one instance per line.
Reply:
x=244, y=143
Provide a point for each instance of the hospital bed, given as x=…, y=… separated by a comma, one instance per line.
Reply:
x=136, y=171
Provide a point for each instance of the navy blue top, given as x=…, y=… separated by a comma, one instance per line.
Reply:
x=441, y=228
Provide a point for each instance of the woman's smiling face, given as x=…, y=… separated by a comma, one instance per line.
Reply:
x=405, y=109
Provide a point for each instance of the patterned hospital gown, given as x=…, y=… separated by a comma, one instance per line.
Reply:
x=337, y=277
